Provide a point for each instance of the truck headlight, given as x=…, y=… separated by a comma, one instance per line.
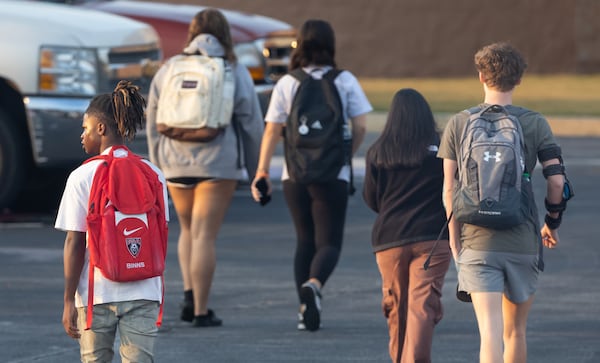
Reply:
x=251, y=55
x=68, y=71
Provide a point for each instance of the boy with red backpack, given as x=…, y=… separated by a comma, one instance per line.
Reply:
x=114, y=210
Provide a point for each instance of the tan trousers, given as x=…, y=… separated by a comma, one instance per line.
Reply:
x=412, y=297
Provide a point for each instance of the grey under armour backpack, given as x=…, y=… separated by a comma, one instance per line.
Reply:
x=492, y=180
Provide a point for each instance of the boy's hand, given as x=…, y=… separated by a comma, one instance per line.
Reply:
x=69, y=319
x=549, y=237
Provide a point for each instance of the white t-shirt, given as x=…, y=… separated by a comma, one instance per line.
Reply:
x=354, y=103
x=72, y=215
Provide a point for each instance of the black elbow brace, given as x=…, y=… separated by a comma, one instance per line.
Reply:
x=556, y=208
x=567, y=194
x=554, y=169
x=554, y=223
x=552, y=152
x=549, y=153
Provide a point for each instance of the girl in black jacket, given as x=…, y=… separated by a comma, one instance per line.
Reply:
x=403, y=185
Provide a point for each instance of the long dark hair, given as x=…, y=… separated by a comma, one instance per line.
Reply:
x=409, y=131
x=121, y=111
x=213, y=22
x=316, y=45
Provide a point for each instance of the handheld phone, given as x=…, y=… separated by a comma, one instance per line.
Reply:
x=263, y=188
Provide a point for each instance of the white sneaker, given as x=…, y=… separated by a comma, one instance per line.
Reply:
x=301, y=325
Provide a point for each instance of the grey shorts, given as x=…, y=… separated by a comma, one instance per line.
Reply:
x=515, y=275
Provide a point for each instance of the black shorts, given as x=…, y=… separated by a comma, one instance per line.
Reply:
x=186, y=182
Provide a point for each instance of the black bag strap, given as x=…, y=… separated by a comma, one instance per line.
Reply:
x=299, y=74
x=332, y=74
x=428, y=260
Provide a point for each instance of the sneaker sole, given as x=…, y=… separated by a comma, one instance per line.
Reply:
x=311, y=313
x=301, y=325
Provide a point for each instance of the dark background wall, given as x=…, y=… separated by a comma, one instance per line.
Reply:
x=419, y=38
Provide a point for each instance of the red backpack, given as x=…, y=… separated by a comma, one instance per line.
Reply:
x=127, y=230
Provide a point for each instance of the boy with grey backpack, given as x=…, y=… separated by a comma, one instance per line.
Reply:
x=493, y=187
x=496, y=242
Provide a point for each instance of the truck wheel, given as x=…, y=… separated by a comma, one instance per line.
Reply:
x=12, y=163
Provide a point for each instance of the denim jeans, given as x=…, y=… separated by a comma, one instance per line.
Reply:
x=136, y=323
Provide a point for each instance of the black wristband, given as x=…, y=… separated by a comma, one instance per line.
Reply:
x=552, y=208
x=553, y=223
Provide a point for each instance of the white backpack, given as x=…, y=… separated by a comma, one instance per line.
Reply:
x=197, y=92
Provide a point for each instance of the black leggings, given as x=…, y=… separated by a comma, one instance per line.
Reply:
x=319, y=214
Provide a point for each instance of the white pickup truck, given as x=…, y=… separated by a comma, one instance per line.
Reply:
x=55, y=58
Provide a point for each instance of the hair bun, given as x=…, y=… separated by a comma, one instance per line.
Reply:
x=124, y=84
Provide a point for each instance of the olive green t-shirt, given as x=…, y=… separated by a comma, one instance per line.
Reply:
x=525, y=237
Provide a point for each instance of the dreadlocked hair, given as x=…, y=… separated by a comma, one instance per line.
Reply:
x=128, y=108
x=122, y=111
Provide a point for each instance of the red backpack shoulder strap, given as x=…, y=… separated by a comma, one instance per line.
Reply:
x=99, y=182
x=97, y=202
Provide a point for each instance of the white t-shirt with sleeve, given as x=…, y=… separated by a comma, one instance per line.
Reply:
x=72, y=215
x=354, y=103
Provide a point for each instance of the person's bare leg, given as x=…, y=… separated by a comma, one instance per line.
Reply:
x=488, y=310
x=183, y=202
x=211, y=201
x=515, y=330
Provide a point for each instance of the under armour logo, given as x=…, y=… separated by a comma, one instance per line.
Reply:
x=487, y=156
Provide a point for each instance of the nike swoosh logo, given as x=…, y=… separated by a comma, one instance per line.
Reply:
x=127, y=233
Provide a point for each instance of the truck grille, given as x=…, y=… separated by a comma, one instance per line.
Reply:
x=277, y=51
x=135, y=63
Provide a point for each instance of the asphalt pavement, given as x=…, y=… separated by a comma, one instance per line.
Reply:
x=253, y=290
